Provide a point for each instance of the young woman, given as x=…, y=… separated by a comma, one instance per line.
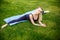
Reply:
x=32, y=16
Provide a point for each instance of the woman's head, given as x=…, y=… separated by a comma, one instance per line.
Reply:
x=39, y=10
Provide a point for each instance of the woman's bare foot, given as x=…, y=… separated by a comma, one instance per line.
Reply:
x=3, y=26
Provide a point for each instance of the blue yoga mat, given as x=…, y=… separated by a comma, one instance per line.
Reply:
x=7, y=20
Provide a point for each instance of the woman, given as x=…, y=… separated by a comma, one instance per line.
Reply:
x=35, y=15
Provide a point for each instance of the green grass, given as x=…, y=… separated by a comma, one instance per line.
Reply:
x=27, y=31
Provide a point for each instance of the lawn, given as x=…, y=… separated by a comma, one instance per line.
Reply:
x=27, y=31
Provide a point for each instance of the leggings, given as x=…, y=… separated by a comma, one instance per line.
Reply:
x=17, y=20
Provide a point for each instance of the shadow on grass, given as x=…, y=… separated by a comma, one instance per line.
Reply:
x=2, y=36
x=57, y=20
x=38, y=36
x=57, y=27
x=3, y=2
x=56, y=3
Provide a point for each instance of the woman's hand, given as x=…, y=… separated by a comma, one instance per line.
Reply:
x=41, y=24
x=44, y=25
x=37, y=24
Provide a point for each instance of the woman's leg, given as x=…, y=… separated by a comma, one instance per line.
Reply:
x=3, y=26
x=17, y=20
x=13, y=21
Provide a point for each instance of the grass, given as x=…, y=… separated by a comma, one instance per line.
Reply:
x=27, y=31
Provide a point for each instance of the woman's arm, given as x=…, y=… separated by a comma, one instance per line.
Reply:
x=32, y=21
x=40, y=19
